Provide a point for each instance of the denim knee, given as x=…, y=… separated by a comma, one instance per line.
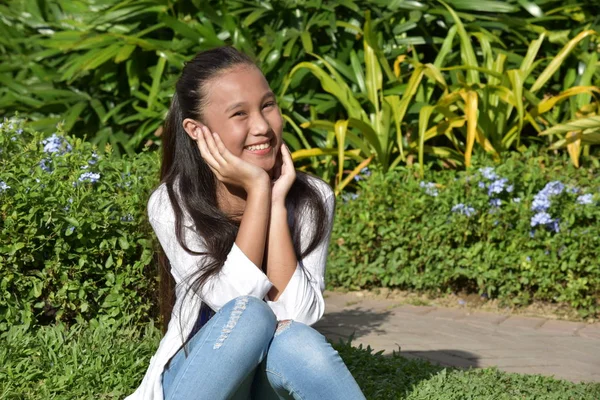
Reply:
x=251, y=315
x=316, y=354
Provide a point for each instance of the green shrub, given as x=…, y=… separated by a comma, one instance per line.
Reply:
x=73, y=237
x=446, y=235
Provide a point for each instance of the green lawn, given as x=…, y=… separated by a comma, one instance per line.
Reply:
x=100, y=362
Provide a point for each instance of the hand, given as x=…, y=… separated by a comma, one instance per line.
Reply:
x=228, y=168
x=284, y=176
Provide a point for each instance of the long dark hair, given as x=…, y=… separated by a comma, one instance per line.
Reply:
x=192, y=186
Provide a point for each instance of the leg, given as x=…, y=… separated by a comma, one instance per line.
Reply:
x=223, y=354
x=301, y=364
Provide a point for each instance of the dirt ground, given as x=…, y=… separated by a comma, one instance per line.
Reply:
x=472, y=302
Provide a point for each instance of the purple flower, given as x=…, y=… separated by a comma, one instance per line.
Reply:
x=127, y=218
x=91, y=177
x=481, y=184
x=585, y=199
x=430, y=188
x=510, y=188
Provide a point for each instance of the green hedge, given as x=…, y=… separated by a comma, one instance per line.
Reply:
x=75, y=244
x=73, y=237
x=463, y=231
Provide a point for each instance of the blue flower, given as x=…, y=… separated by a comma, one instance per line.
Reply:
x=541, y=202
x=70, y=230
x=541, y=218
x=94, y=159
x=3, y=186
x=46, y=164
x=497, y=186
x=89, y=177
x=463, y=209
x=365, y=171
x=127, y=218
x=510, y=188
x=585, y=199
x=516, y=200
x=573, y=190
x=56, y=144
x=349, y=196
x=430, y=188
x=488, y=173
x=495, y=202
x=481, y=184
x=554, y=188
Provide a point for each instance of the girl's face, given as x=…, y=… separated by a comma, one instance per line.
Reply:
x=242, y=109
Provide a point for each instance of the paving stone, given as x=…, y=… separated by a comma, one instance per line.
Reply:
x=484, y=318
x=522, y=323
x=561, y=327
x=446, y=313
x=590, y=331
x=412, y=310
x=460, y=338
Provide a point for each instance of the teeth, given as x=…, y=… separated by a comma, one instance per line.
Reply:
x=263, y=146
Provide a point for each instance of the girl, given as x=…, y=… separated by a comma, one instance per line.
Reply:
x=246, y=240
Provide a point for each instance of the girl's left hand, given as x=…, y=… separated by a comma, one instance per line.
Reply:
x=284, y=177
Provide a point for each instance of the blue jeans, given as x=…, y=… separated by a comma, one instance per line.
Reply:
x=242, y=352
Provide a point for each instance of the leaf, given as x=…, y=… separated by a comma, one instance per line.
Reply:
x=467, y=53
x=558, y=60
x=471, y=115
x=341, y=127
x=306, y=41
x=156, y=79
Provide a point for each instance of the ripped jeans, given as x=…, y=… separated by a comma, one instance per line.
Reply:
x=242, y=352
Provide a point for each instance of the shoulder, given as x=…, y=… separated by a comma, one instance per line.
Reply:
x=320, y=185
x=160, y=208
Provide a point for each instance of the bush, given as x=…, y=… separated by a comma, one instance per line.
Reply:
x=73, y=237
x=525, y=231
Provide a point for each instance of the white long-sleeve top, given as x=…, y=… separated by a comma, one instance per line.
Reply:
x=302, y=299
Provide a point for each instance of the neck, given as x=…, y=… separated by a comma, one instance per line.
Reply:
x=231, y=200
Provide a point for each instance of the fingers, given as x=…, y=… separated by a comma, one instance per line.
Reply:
x=205, y=151
x=286, y=157
x=212, y=145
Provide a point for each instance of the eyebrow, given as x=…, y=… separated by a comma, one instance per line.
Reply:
x=236, y=105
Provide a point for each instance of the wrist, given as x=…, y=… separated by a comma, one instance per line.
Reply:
x=278, y=207
x=259, y=185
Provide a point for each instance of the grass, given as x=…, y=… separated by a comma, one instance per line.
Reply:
x=104, y=362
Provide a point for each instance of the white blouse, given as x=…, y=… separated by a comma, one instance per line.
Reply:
x=301, y=300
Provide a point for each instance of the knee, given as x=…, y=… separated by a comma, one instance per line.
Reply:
x=252, y=313
x=316, y=356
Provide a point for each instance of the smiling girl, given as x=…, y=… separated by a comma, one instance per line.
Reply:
x=245, y=238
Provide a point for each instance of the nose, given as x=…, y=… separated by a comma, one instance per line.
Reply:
x=259, y=126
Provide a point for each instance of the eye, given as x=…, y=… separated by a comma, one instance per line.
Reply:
x=269, y=104
x=239, y=114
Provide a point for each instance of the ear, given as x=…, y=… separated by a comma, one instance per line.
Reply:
x=192, y=128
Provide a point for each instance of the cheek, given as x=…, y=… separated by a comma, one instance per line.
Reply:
x=233, y=138
x=276, y=122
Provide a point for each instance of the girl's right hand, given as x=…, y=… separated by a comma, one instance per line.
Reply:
x=227, y=167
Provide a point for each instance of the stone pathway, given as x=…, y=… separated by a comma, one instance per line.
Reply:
x=463, y=338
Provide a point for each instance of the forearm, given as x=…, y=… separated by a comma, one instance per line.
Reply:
x=281, y=258
x=252, y=235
